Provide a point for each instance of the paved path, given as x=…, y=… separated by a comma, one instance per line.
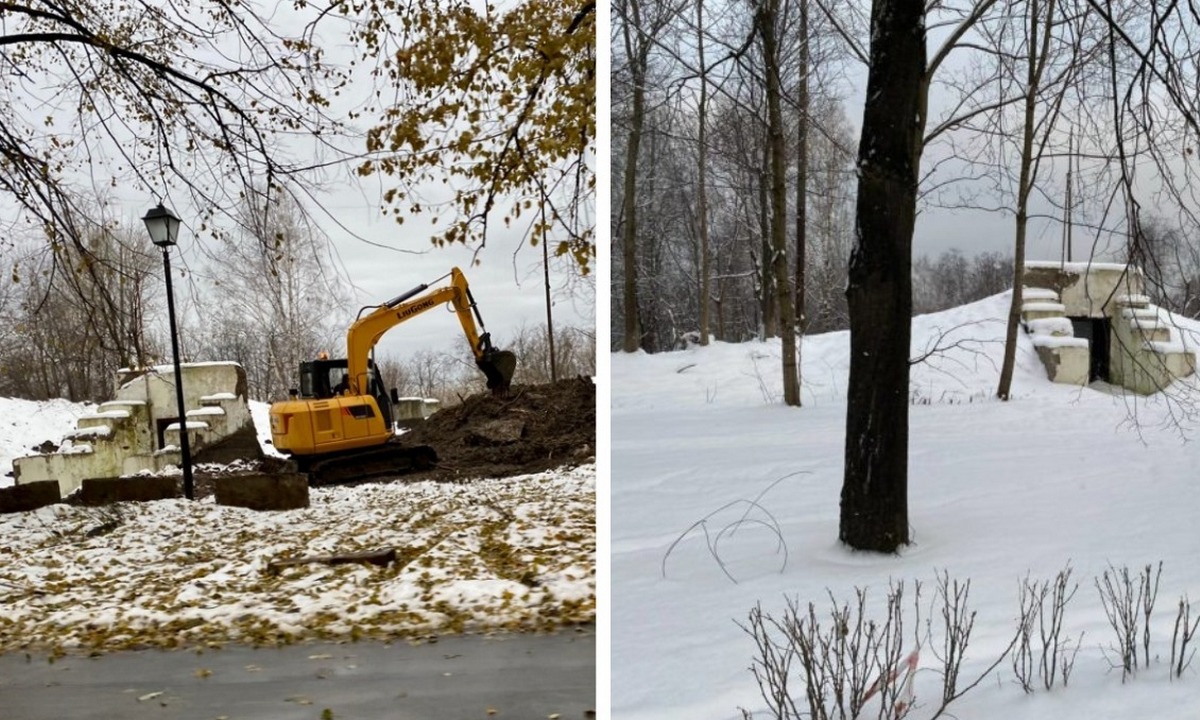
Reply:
x=515, y=676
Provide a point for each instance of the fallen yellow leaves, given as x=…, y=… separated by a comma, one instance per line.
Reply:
x=512, y=554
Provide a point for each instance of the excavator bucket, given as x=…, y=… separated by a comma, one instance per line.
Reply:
x=498, y=366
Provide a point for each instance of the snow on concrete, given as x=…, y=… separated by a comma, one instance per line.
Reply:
x=1079, y=268
x=1059, y=326
x=1058, y=341
x=997, y=492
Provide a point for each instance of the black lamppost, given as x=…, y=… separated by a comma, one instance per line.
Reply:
x=164, y=230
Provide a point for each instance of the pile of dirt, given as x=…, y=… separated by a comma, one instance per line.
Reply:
x=534, y=428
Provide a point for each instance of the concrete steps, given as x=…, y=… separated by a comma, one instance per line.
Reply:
x=139, y=430
x=1149, y=353
x=1065, y=357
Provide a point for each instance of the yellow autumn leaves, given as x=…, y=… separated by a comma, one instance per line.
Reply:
x=500, y=105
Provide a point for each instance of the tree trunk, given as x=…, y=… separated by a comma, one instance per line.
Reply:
x=633, y=332
x=784, y=298
x=701, y=179
x=802, y=120
x=766, y=298
x=719, y=302
x=874, y=509
x=1037, y=55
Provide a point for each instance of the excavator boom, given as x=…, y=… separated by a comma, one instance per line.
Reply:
x=497, y=365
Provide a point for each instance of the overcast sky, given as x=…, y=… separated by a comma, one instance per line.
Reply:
x=378, y=258
x=977, y=231
x=507, y=284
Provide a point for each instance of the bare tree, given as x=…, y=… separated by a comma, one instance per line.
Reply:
x=1044, y=19
x=784, y=297
x=639, y=29
x=74, y=314
x=1172, y=267
x=953, y=279
x=702, y=176
x=831, y=197
x=574, y=353
x=276, y=289
x=874, y=510
x=189, y=98
x=803, y=119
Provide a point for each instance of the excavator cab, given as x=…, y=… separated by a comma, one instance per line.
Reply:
x=325, y=379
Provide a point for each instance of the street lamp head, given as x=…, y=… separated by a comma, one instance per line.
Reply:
x=163, y=226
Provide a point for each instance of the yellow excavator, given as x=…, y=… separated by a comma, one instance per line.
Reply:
x=338, y=425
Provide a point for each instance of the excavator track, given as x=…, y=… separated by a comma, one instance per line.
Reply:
x=389, y=459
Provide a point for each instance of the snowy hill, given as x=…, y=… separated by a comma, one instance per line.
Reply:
x=998, y=492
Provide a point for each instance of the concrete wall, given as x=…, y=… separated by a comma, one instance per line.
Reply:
x=1086, y=289
x=123, y=436
x=1068, y=364
x=1145, y=353
x=156, y=386
x=1142, y=357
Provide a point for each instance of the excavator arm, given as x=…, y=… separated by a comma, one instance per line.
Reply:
x=364, y=334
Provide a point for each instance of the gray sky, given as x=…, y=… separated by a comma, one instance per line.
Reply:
x=507, y=284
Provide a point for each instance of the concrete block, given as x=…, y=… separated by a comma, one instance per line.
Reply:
x=29, y=496
x=1066, y=365
x=140, y=488
x=278, y=491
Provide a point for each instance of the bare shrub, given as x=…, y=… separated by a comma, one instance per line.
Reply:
x=772, y=665
x=958, y=621
x=1181, y=638
x=1047, y=654
x=770, y=394
x=1128, y=605
x=838, y=655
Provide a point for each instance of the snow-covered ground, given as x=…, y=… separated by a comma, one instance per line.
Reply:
x=25, y=423
x=998, y=492
x=500, y=554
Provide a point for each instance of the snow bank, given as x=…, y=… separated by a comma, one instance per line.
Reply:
x=24, y=424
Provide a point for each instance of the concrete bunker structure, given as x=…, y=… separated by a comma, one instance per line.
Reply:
x=139, y=429
x=1092, y=321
